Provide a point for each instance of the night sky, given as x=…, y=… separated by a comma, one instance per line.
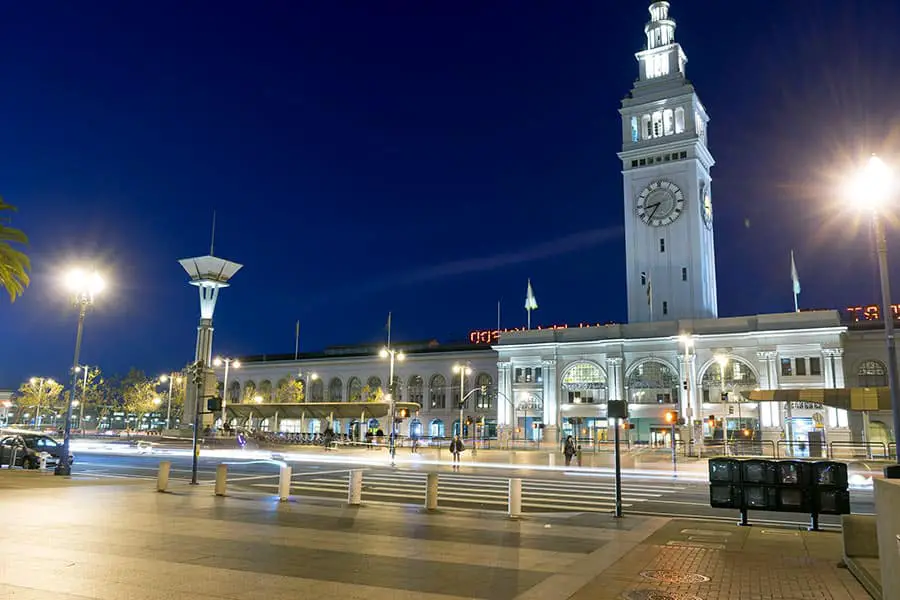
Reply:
x=424, y=158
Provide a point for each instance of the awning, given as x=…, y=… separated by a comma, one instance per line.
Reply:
x=878, y=398
x=319, y=410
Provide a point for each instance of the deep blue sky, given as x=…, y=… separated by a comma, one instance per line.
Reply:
x=419, y=157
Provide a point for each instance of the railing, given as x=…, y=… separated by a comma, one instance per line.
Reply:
x=892, y=453
x=800, y=449
x=857, y=449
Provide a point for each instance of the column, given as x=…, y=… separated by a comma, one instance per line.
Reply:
x=550, y=404
x=504, y=397
x=614, y=385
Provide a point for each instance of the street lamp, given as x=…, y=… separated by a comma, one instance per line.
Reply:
x=84, y=285
x=83, y=397
x=723, y=362
x=219, y=361
x=39, y=383
x=393, y=355
x=464, y=371
x=171, y=378
x=873, y=188
x=687, y=387
x=310, y=376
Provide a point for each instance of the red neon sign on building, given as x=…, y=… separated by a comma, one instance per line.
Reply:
x=489, y=336
x=870, y=312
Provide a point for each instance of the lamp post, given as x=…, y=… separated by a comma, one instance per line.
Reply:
x=874, y=187
x=393, y=355
x=170, y=378
x=84, y=285
x=687, y=388
x=39, y=382
x=310, y=377
x=83, y=397
x=463, y=370
x=228, y=362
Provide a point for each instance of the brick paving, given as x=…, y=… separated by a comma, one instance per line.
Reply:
x=120, y=540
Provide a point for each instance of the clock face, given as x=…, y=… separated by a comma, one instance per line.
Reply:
x=707, y=210
x=660, y=203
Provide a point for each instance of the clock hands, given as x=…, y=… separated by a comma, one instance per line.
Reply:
x=655, y=208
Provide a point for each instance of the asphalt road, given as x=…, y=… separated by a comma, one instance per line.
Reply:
x=544, y=491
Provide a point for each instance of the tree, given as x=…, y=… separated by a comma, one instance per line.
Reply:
x=14, y=264
x=39, y=395
x=290, y=390
x=372, y=395
x=138, y=393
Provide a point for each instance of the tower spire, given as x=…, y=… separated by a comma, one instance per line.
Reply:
x=661, y=57
x=661, y=29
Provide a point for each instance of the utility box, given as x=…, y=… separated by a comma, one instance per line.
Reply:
x=755, y=471
x=724, y=470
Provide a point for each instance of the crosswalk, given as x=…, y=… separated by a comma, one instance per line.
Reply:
x=538, y=495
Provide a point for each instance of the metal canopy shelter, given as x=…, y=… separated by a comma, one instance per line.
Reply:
x=319, y=410
x=877, y=398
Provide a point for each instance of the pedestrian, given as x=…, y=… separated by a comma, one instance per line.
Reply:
x=456, y=448
x=569, y=450
x=415, y=444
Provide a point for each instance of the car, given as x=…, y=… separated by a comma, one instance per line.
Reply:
x=27, y=449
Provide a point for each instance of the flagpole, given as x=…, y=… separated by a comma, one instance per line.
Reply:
x=498, y=317
x=529, y=318
x=297, y=341
x=389, y=331
x=796, y=304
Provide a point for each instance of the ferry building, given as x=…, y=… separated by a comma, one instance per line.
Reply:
x=772, y=378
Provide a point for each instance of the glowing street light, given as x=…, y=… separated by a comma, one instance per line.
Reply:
x=394, y=355
x=258, y=399
x=228, y=362
x=171, y=378
x=871, y=190
x=84, y=285
x=40, y=383
x=464, y=371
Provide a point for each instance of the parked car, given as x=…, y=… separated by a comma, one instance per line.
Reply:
x=26, y=450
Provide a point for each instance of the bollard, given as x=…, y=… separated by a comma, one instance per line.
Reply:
x=512, y=457
x=354, y=491
x=515, y=498
x=284, y=484
x=431, y=491
x=162, y=478
x=43, y=462
x=551, y=459
x=221, y=477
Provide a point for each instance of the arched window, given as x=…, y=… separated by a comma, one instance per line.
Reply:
x=652, y=382
x=234, y=391
x=668, y=121
x=483, y=401
x=436, y=428
x=437, y=391
x=679, y=120
x=354, y=390
x=738, y=376
x=265, y=390
x=872, y=373
x=373, y=388
x=646, y=127
x=583, y=383
x=635, y=131
x=335, y=390
x=415, y=428
x=316, y=391
x=397, y=388
x=416, y=387
x=374, y=382
x=657, y=124
x=249, y=394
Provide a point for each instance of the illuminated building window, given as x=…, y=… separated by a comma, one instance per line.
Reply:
x=815, y=365
x=646, y=127
x=354, y=390
x=538, y=375
x=415, y=387
x=635, y=131
x=528, y=376
x=787, y=369
x=837, y=417
x=657, y=124
x=519, y=378
x=437, y=391
x=668, y=122
x=335, y=390
x=483, y=401
x=679, y=120
x=872, y=373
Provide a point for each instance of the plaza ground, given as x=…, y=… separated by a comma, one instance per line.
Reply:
x=108, y=537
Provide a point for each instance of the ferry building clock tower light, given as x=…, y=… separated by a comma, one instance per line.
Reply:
x=670, y=252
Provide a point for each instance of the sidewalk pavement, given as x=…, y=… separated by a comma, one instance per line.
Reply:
x=119, y=539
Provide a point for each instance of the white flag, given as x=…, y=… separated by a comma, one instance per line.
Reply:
x=530, y=300
x=794, y=277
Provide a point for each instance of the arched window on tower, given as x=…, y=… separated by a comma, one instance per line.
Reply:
x=679, y=120
x=668, y=121
x=657, y=124
x=635, y=132
x=646, y=127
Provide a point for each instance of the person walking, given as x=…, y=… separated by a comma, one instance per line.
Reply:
x=569, y=450
x=456, y=448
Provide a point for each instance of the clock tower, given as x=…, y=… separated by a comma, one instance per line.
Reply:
x=670, y=251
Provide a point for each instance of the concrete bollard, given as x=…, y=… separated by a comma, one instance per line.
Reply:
x=551, y=459
x=512, y=457
x=162, y=478
x=221, y=478
x=284, y=484
x=515, y=498
x=431, y=491
x=354, y=490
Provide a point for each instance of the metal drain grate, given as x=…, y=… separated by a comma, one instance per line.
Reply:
x=672, y=576
x=658, y=595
